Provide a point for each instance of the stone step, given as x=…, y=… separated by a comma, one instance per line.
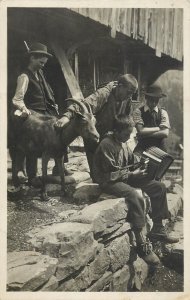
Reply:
x=176, y=251
x=28, y=270
x=72, y=243
x=175, y=201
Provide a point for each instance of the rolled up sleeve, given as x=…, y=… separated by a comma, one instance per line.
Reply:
x=137, y=118
x=165, y=123
x=99, y=98
x=22, y=86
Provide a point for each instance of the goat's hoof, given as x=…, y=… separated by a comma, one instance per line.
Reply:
x=44, y=197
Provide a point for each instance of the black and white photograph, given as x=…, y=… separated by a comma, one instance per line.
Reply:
x=95, y=123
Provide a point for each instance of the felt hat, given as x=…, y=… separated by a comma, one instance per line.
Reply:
x=39, y=48
x=154, y=90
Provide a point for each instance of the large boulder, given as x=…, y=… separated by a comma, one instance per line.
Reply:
x=140, y=270
x=28, y=270
x=175, y=203
x=115, y=231
x=175, y=252
x=51, y=285
x=72, y=243
x=78, y=162
x=54, y=182
x=120, y=280
x=87, y=192
x=102, y=284
x=91, y=273
x=119, y=252
x=102, y=215
x=68, y=286
x=94, y=270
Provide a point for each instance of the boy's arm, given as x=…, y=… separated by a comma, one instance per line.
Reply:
x=18, y=99
x=150, y=131
x=96, y=100
x=158, y=132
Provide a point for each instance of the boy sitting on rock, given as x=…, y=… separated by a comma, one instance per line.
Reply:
x=110, y=169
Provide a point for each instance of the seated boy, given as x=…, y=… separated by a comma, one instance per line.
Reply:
x=110, y=169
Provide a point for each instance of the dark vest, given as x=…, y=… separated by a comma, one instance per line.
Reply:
x=39, y=95
x=151, y=120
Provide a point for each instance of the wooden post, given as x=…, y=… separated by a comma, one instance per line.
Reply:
x=94, y=75
x=77, y=66
x=126, y=65
x=139, y=82
x=67, y=71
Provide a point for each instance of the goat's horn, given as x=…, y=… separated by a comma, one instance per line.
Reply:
x=89, y=108
x=80, y=104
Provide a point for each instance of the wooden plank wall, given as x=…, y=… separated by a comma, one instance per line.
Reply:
x=159, y=28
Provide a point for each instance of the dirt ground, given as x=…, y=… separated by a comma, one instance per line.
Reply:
x=25, y=214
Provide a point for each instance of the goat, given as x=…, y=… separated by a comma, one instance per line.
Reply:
x=40, y=138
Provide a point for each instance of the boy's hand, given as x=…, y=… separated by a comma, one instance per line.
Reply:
x=25, y=111
x=62, y=122
x=139, y=173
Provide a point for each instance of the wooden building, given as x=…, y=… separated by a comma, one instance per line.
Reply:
x=94, y=45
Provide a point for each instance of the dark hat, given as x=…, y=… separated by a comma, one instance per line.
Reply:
x=128, y=79
x=39, y=48
x=155, y=90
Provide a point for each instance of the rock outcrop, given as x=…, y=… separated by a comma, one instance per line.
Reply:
x=28, y=270
x=91, y=249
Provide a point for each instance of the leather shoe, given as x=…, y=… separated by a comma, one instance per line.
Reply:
x=160, y=234
x=147, y=254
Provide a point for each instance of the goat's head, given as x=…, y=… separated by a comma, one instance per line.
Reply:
x=86, y=121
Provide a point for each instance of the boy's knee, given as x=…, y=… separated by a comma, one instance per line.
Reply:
x=132, y=193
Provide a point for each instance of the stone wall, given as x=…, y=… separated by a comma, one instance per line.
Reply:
x=91, y=249
x=88, y=250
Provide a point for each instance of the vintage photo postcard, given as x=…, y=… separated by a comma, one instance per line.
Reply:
x=94, y=181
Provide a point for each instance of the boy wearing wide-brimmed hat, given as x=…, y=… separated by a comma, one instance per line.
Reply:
x=33, y=93
x=152, y=122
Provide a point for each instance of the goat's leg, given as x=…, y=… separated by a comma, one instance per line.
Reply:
x=17, y=160
x=45, y=159
x=31, y=166
x=60, y=163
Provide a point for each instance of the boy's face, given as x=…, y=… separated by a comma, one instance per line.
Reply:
x=152, y=102
x=124, y=134
x=125, y=92
x=38, y=63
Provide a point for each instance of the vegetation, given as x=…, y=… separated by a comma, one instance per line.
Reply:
x=172, y=84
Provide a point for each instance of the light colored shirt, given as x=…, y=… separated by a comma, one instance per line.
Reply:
x=22, y=86
x=137, y=117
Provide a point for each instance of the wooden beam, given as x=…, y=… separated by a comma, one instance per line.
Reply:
x=94, y=74
x=139, y=79
x=67, y=71
x=77, y=66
